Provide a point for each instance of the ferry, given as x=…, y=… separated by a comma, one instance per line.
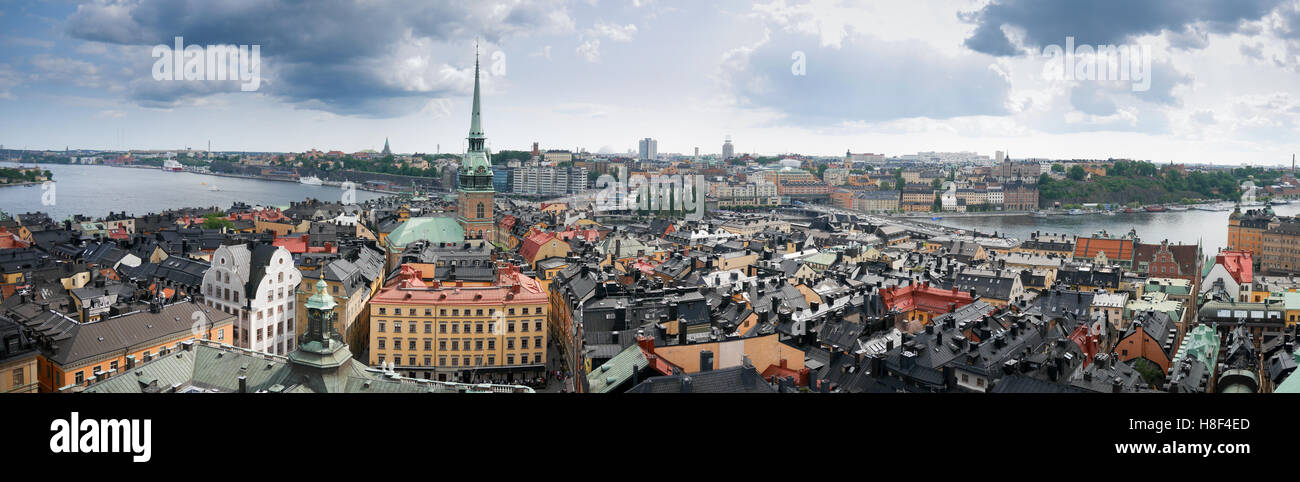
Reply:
x=311, y=180
x=171, y=165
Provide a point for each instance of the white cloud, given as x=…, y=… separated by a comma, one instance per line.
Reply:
x=590, y=50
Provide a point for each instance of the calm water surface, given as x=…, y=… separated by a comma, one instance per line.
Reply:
x=1186, y=227
x=97, y=190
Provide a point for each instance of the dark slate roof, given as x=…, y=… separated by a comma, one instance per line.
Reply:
x=737, y=379
x=1022, y=384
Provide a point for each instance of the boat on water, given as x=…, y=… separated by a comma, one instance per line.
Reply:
x=310, y=180
x=1177, y=208
x=937, y=218
x=1130, y=210
x=1155, y=209
x=1108, y=213
x=214, y=188
x=1040, y=214
x=171, y=165
x=1278, y=202
x=1076, y=212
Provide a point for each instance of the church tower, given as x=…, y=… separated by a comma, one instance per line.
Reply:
x=475, y=191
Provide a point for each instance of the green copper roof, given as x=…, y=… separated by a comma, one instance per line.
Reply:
x=1202, y=343
x=321, y=300
x=432, y=229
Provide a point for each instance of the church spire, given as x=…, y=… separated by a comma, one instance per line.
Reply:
x=475, y=120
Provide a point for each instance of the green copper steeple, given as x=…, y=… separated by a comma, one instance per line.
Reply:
x=476, y=136
x=476, y=168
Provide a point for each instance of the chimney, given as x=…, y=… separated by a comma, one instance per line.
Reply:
x=243, y=384
x=686, y=384
x=706, y=360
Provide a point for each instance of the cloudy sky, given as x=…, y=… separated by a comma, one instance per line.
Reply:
x=1220, y=78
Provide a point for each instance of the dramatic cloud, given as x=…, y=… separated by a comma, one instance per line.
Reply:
x=346, y=57
x=1106, y=22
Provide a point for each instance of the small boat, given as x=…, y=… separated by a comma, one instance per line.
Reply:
x=1155, y=209
x=937, y=218
x=1108, y=213
x=311, y=181
x=1177, y=208
x=1130, y=210
x=214, y=188
x=1076, y=212
x=1040, y=214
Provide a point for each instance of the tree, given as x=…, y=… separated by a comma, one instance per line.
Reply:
x=1058, y=168
x=1077, y=173
x=217, y=220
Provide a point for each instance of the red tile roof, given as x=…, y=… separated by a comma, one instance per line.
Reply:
x=1239, y=264
x=921, y=296
x=1116, y=249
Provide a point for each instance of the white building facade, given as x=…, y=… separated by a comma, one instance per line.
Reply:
x=257, y=286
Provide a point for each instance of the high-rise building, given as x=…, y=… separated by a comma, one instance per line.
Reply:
x=649, y=149
x=728, y=150
x=475, y=191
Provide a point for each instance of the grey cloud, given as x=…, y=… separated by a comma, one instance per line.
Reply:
x=337, y=55
x=1105, y=22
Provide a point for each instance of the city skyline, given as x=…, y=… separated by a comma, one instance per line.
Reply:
x=815, y=78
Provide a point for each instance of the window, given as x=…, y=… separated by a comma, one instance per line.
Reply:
x=381, y=325
x=492, y=360
x=525, y=310
x=537, y=357
x=383, y=311
x=478, y=312
x=19, y=379
x=411, y=359
x=455, y=345
x=537, y=342
x=466, y=327
x=478, y=328
x=523, y=343
x=523, y=326
x=428, y=360
x=442, y=327
x=381, y=343
x=455, y=328
x=80, y=377
x=478, y=344
x=397, y=327
x=381, y=359
x=442, y=361
x=510, y=327
x=538, y=325
x=510, y=343
x=221, y=334
x=442, y=344
x=411, y=345
x=113, y=365
x=442, y=312
x=454, y=361
x=510, y=359
x=397, y=343
x=428, y=344
x=510, y=311
x=492, y=344
x=455, y=312
x=428, y=312
x=259, y=334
